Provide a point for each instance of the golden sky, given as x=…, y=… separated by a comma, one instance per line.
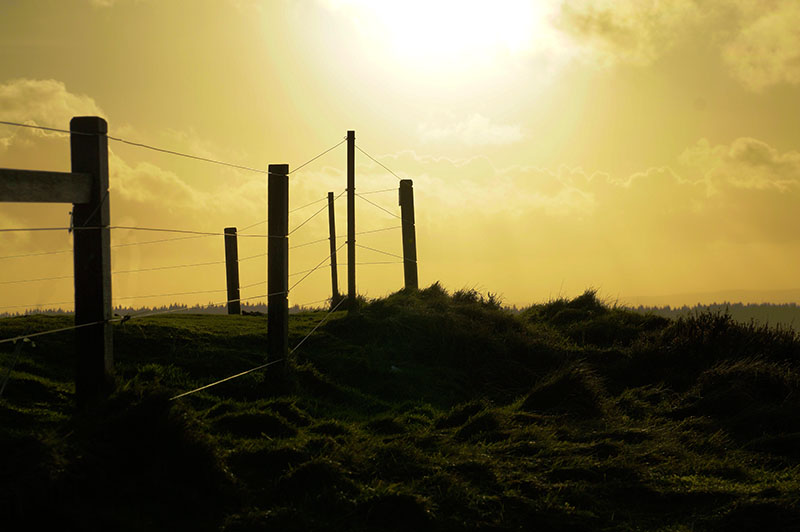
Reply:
x=641, y=147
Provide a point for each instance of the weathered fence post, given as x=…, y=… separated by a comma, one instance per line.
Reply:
x=409, y=234
x=92, y=263
x=86, y=187
x=232, y=270
x=278, y=261
x=334, y=270
x=352, y=303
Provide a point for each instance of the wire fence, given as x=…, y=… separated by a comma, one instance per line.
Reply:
x=189, y=234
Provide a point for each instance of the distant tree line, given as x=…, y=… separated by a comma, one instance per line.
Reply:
x=247, y=308
x=784, y=315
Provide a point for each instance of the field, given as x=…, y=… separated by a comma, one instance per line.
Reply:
x=424, y=411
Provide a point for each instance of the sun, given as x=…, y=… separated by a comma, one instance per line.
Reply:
x=447, y=31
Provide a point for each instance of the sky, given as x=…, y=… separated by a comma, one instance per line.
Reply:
x=646, y=149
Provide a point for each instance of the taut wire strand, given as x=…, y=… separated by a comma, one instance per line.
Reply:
x=169, y=152
x=20, y=281
x=186, y=265
x=53, y=331
x=318, y=156
x=43, y=128
x=380, y=230
x=387, y=211
x=301, y=272
x=315, y=268
x=39, y=305
x=378, y=162
x=309, y=243
x=172, y=294
x=187, y=155
x=38, y=254
x=307, y=205
x=385, y=253
x=226, y=379
x=315, y=214
x=130, y=316
x=26, y=229
x=378, y=191
x=262, y=366
x=317, y=326
x=184, y=231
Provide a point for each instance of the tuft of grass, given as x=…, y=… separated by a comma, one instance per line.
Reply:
x=574, y=390
x=751, y=396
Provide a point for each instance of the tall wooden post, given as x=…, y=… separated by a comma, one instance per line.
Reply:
x=232, y=270
x=278, y=261
x=334, y=270
x=409, y=234
x=352, y=303
x=92, y=263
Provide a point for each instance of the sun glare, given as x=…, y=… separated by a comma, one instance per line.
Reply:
x=453, y=30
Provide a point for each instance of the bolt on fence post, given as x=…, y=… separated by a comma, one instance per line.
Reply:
x=92, y=263
x=334, y=270
x=409, y=234
x=232, y=270
x=278, y=261
x=352, y=303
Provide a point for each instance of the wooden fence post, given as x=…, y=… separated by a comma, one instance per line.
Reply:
x=92, y=263
x=409, y=234
x=278, y=261
x=232, y=270
x=352, y=303
x=334, y=270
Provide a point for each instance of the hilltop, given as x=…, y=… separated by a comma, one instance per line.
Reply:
x=424, y=411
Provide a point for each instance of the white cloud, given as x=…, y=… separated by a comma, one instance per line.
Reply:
x=44, y=102
x=477, y=130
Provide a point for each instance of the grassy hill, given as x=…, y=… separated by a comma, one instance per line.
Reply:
x=425, y=411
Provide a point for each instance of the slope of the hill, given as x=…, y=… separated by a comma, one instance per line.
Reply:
x=424, y=411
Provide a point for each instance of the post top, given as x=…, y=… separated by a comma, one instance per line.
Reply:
x=88, y=124
x=406, y=182
x=351, y=134
x=279, y=169
x=230, y=230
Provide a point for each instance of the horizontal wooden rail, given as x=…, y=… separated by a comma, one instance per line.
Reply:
x=35, y=186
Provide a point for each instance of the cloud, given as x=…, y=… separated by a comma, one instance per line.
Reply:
x=766, y=51
x=758, y=41
x=631, y=31
x=45, y=102
x=744, y=192
x=477, y=130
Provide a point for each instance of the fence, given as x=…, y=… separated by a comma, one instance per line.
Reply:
x=87, y=188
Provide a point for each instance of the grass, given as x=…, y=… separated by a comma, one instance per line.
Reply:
x=424, y=411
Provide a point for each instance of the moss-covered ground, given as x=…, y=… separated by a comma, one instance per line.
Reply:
x=423, y=411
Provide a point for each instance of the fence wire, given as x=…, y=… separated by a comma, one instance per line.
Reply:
x=197, y=234
x=387, y=211
x=170, y=152
x=378, y=162
x=262, y=366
